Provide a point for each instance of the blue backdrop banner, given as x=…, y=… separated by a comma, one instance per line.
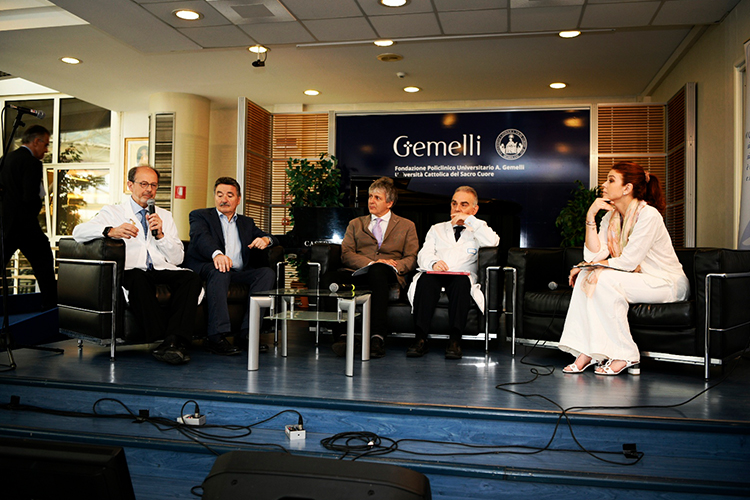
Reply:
x=532, y=158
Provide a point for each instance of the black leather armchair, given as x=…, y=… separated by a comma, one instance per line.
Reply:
x=326, y=256
x=92, y=305
x=710, y=328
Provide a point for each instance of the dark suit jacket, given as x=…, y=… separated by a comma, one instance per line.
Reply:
x=400, y=243
x=21, y=178
x=206, y=237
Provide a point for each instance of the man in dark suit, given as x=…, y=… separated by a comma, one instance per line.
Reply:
x=23, y=192
x=223, y=246
x=388, y=245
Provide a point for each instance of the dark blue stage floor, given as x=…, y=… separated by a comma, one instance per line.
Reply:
x=699, y=449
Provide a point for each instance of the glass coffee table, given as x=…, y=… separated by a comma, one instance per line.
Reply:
x=345, y=313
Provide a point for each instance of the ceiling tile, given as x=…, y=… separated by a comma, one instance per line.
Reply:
x=131, y=24
x=409, y=25
x=619, y=15
x=474, y=21
x=330, y=9
x=450, y=5
x=693, y=11
x=217, y=36
x=544, y=19
x=163, y=10
x=334, y=30
x=375, y=8
x=278, y=33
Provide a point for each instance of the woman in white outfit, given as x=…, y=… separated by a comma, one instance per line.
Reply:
x=634, y=240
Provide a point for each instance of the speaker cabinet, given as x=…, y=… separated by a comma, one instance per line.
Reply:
x=272, y=476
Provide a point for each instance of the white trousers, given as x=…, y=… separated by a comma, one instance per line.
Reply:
x=598, y=326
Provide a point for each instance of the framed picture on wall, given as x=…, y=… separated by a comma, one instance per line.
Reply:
x=136, y=153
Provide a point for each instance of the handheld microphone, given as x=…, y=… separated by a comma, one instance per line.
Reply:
x=36, y=112
x=552, y=285
x=338, y=287
x=152, y=210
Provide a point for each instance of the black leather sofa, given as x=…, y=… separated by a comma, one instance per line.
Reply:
x=91, y=302
x=710, y=328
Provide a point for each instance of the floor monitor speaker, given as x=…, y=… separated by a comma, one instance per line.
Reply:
x=272, y=476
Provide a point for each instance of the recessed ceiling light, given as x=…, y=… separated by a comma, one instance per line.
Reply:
x=569, y=34
x=411, y=90
x=70, y=60
x=257, y=49
x=383, y=43
x=394, y=3
x=187, y=14
x=558, y=85
x=312, y=92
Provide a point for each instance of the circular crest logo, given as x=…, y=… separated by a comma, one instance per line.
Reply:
x=511, y=144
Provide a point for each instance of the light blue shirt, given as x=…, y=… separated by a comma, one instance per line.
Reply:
x=232, y=245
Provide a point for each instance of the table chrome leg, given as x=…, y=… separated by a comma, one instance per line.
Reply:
x=254, y=330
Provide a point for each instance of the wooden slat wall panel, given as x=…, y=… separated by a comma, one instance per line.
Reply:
x=294, y=136
x=631, y=129
x=675, y=180
x=653, y=164
x=632, y=133
x=257, y=188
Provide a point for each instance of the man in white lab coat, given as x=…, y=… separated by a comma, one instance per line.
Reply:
x=448, y=259
x=153, y=252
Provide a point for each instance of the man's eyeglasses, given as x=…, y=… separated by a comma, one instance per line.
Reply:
x=145, y=184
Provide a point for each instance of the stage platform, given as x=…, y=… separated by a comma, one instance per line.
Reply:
x=699, y=449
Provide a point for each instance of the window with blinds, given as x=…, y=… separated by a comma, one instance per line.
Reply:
x=294, y=136
x=258, y=174
x=163, y=141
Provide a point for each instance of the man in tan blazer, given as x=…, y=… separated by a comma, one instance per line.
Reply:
x=387, y=245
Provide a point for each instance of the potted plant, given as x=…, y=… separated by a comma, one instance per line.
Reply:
x=572, y=218
x=311, y=184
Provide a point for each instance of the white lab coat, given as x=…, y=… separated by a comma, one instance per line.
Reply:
x=440, y=244
x=166, y=253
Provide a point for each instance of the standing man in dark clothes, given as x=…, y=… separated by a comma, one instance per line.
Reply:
x=23, y=195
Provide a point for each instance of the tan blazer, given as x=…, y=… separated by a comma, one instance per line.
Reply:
x=400, y=243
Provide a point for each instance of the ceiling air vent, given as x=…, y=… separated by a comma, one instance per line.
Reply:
x=390, y=57
x=252, y=11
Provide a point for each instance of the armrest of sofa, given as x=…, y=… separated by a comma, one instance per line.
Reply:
x=535, y=269
x=324, y=257
x=722, y=290
x=89, y=277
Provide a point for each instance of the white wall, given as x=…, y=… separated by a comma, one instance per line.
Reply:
x=222, y=148
x=711, y=64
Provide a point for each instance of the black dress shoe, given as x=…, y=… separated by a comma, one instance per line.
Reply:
x=339, y=347
x=453, y=351
x=221, y=347
x=170, y=352
x=377, y=347
x=417, y=349
x=242, y=344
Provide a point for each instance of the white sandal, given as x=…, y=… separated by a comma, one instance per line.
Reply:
x=573, y=367
x=634, y=368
